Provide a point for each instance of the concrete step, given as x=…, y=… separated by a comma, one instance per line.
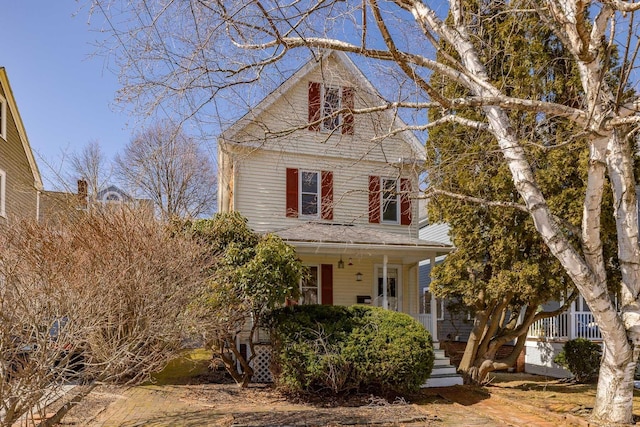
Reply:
x=443, y=370
x=443, y=381
x=442, y=362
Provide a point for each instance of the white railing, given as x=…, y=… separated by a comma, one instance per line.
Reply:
x=423, y=319
x=566, y=326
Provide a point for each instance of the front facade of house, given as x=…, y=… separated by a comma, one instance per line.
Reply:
x=339, y=187
x=20, y=181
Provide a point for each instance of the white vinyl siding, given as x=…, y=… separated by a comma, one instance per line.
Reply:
x=260, y=190
x=291, y=110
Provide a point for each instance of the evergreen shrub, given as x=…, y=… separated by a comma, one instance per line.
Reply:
x=581, y=357
x=319, y=348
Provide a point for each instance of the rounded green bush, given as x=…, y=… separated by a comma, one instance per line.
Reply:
x=581, y=357
x=337, y=349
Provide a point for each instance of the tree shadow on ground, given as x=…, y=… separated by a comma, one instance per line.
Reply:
x=461, y=394
x=312, y=417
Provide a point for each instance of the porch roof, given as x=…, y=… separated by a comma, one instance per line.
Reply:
x=313, y=237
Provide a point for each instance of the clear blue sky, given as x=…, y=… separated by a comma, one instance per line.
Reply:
x=65, y=96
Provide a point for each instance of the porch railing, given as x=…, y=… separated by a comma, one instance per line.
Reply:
x=566, y=326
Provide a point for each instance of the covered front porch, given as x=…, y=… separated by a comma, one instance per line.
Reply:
x=363, y=265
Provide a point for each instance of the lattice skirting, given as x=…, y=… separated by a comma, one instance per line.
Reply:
x=260, y=364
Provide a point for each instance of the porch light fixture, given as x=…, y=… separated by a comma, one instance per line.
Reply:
x=341, y=263
x=359, y=277
x=350, y=262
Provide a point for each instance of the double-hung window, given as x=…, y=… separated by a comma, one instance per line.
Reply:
x=330, y=104
x=309, y=293
x=390, y=202
x=325, y=101
x=309, y=193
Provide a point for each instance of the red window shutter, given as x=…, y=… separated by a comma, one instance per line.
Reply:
x=326, y=205
x=405, y=201
x=292, y=193
x=326, y=283
x=374, y=199
x=315, y=104
x=347, y=102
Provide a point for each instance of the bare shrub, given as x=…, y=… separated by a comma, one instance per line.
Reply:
x=101, y=296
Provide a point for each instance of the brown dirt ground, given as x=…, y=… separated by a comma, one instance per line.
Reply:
x=510, y=399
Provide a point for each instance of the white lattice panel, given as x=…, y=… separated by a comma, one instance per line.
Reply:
x=260, y=364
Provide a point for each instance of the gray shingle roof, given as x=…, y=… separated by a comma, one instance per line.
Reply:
x=351, y=234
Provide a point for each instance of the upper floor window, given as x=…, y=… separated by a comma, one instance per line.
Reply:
x=3, y=118
x=309, y=193
x=389, y=200
x=331, y=104
x=3, y=194
x=324, y=103
x=390, y=196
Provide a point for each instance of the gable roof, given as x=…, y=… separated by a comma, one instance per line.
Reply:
x=312, y=64
x=13, y=107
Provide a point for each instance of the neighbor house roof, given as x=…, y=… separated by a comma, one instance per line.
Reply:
x=13, y=107
x=342, y=58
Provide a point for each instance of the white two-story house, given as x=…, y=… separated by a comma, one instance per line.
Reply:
x=340, y=187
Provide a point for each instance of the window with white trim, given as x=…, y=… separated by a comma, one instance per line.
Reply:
x=309, y=287
x=3, y=118
x=426, y=295
x=331, y=102
x=309, y=193
x=3, y=193
x=390, y=200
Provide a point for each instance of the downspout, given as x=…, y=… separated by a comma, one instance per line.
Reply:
x=385, y=299
x=434, y=306
x=38, y=205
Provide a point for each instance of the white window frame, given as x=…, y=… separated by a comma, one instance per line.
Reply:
x=377, y=272
x=382, y=201
x=117, y=199
x=3, y=193
x=3, y=118
x=318, y=193
x=439, y=301
x=318, y=286
x=324, y=114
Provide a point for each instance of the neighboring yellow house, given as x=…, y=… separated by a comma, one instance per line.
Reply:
x=340, y=187
x=20, y=180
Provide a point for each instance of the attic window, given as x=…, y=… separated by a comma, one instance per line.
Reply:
x=324, y=102
x=3, y=118
x=330, y=104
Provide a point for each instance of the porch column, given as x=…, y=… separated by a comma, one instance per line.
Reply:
x=571, y=323
x=385, y=300
x=434, y=306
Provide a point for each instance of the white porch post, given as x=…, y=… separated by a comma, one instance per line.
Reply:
x=434, y=306
x=385, y=300
x=571, y=323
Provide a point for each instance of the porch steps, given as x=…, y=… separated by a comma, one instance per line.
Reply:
x=443, y=374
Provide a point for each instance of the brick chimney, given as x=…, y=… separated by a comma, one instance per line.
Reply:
x=83, y=194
